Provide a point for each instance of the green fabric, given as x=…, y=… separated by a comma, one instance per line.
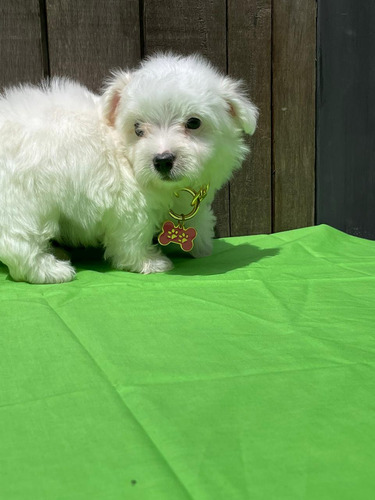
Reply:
x=245, y=375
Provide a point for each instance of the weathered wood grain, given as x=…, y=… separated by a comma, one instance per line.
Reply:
x=293, y=101
x=187, y=27
x=86, y=39
x=249, y=58
x=20, y=42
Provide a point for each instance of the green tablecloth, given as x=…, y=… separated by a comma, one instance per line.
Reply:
x=246, y=375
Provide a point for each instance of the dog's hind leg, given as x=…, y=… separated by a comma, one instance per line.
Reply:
x=28, y=261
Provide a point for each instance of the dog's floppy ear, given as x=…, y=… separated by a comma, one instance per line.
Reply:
x=240, y=106
x=112, y=94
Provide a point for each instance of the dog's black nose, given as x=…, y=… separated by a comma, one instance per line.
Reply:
x=164, y=162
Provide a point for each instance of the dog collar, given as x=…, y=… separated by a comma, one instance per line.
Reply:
x=179, y=234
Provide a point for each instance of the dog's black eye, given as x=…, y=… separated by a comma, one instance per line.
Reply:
x=138, y=131
x=193, y=123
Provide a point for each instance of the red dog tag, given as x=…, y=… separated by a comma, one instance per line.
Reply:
x=177, y=234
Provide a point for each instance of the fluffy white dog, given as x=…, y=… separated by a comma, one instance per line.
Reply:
x=84, y=169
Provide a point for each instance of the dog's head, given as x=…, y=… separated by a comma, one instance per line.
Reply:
x=181, y=121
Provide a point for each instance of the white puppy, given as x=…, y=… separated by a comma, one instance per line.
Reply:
x=84, y=169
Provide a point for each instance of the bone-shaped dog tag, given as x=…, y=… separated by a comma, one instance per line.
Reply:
x=177, y=234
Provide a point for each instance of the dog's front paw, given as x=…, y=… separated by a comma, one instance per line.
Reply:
x=158, y=264
x=202, y=249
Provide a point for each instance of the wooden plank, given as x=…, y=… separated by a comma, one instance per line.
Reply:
x=346, y=117
x=87, y=39
x=249, y=58
x=293, y=101
x=20, y=42
x=186, y=27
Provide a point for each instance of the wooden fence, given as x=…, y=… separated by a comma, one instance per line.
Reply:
x=270, y=44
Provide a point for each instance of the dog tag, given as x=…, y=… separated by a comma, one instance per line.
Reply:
x=177, y=234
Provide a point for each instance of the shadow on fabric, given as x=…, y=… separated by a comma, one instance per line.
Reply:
x=225, y=258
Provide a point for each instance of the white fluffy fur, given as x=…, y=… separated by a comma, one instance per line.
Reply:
x=72, y=168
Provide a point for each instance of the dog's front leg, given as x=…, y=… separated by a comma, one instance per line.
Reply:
x=204, y=223
x=130, y=248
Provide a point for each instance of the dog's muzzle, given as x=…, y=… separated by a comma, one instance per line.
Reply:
x=163, y=163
